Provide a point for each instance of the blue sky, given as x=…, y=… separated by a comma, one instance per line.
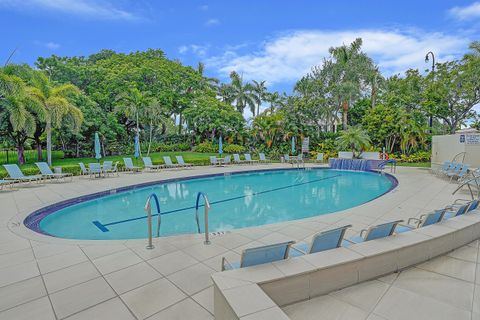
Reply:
x=277, y=41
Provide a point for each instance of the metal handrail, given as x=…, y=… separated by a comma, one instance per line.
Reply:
x=467, y=183
x=148, y=208
x=460, y=154
x=207, y=206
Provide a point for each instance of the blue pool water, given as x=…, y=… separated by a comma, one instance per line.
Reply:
x=237, y=201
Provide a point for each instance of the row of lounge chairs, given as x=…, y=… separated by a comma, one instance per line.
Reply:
x=453, y=170
x=335, y=238
x=15, y=175
x=214, y=161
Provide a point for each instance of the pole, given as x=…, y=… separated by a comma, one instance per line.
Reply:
x=430, y=120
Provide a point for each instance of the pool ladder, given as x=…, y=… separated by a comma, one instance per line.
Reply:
x=148, y=208
x=205, y=212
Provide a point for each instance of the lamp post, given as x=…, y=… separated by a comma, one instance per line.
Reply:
x=430, y=122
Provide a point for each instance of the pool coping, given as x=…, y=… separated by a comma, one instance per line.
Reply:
x=261, y=291
x=32, y=220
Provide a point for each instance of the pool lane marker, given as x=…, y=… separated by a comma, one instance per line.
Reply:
x=103, y=227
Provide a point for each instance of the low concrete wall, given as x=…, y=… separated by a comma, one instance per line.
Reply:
x=259, y=292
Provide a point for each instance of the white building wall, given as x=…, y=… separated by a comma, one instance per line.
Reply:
x=445, y=148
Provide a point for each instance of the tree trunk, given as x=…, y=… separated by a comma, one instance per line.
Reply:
x=20, y=152
x=180, y=123
x=48, y=130
x=345, y=114
x=39, y=149
x=150, y=138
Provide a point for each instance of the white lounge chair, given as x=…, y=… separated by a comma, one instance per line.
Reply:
x=130, y=167
x=95, y=169
x=14, y=173
x=109, y=168
x=47, y=173
x=319, y=157
x=169, y=163
x=147, y=161
x=262, y=158
x=248, y=158
x=236, y=159
x=182, y=162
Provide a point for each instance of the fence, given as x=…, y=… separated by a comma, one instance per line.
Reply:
x=31, y=156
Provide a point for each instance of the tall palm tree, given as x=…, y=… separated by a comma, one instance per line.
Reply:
x=243, y=93
x=20, y=109
x=156, y=117
x=131, y=104
x=260, y=90
x=58, y=105
x=206, y=81
x=351, y=66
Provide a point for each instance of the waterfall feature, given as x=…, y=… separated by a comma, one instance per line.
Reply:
x=352, y=164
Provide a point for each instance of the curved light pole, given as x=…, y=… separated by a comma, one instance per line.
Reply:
x=430, y=53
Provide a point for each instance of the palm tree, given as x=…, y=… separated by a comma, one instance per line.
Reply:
x=206, y=81
x=131, y=104
x=20, y=109
x=260, y=90
x=154, y=115
x=351, y=67
x=355, y=139
x=276, y=100
x=56, y=100
x=243, y=94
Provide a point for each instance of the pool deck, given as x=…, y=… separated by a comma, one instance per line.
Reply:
x=48, y=278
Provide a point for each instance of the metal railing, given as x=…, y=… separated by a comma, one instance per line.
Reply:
x=207, y=207
x=148, y=208
x=469, y=182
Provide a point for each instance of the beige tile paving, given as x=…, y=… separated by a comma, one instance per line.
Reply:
x=123, y=280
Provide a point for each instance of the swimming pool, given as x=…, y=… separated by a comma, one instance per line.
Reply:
x=237, y=200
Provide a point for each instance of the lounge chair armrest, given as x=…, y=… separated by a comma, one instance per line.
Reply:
x=226, y=263
x=461, y=201
x=348, y=240
x=363, y=231
x=417, y=220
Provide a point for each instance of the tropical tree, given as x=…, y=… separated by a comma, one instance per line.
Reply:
x=57, y=102
x=353, y=69
x=260, y=91
x=355, y=139
x=18, y=111
x=452, y=91
x=131, y=104
x=156, y=117
x=243, y=94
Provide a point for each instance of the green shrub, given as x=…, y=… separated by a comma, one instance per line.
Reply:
x=206, y=147
x=234, y=148
x=419, y=156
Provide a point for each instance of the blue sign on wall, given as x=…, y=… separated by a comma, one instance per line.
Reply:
x=462, y=138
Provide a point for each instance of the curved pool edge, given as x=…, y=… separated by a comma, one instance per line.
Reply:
x=31, y=221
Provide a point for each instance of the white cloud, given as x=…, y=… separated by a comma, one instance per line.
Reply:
x=469, y=12
x=49, y=45
x=212, y=22
x=198, y=50
x=100, y=9
x=288, y=57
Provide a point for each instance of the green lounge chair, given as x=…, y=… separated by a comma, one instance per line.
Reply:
x=14, y=173
x=260, y=255
x=47, y=173
x=321, y=241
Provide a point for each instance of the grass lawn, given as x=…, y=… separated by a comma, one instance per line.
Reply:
x=414, y=164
